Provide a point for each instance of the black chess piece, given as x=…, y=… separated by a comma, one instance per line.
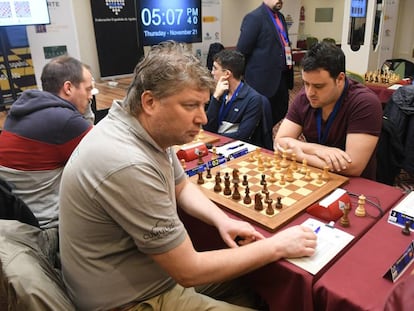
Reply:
x=208, y=173
x=200, y=179
x=406, y=230
x=278, y=204
x=247, y=199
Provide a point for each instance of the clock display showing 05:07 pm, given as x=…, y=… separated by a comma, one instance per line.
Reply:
x=170, y=20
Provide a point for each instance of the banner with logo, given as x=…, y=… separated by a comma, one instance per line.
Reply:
x=116, y=36
x=55, y=39
x=211, y=11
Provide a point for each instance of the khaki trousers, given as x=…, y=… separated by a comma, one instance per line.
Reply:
x=229, y=296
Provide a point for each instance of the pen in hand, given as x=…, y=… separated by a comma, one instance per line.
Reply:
x=317, y=230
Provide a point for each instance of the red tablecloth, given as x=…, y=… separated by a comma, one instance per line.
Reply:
x=384, y=93
x=355, y=281
x=283, y=285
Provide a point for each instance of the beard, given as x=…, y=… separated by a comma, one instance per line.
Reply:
x=277, y=7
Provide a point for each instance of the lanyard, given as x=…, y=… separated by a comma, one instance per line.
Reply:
x=322, y=137
x=225, y=107
x=279, y=26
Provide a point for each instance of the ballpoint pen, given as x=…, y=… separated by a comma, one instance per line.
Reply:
x=234, y=147
x=317, y=229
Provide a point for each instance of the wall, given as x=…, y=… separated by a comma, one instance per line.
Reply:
x=86, y=35
x=404, y=41
x=233, y=12
x=326, y=29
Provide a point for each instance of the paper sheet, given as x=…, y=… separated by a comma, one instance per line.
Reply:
x=330, y=242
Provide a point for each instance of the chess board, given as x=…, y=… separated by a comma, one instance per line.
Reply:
x=295, y=195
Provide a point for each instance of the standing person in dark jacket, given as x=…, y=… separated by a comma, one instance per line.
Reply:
x=235, y=109
x=265, y=43
x=40, y=133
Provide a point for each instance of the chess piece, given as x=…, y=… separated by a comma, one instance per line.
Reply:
x=282, y=179
x=260, y=166
x=268, y=163
x=284, y=163
x=245, y=182
x=263, y=179
x=267, y=196
x=279, y=204
x=319, y=179
x=218, y=177
x=325, y=173
x=235, y=174
x=344, y=221
x=200, y=158
x=360, y=210
x=200, y=135
x=276, y=157
x=217, y=186
x=258, y=205
x=264, y=190
x=289, y=175
x=200, y=179
x=406, y=230
x=277, y=164
x=293, y=164
x=247, y=199
x=308, y=176
x=214, y=153
x=236, y=194
x=227, y=190
x=272, y=177
x=304, y=167
x=208, y=173
x=269, y=209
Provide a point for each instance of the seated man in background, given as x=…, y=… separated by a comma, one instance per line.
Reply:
x=119, y=224
x=236, y=110
x=339, y=118
x=40, y=132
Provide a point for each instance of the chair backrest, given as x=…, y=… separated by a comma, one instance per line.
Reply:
x=310, y=41
x=262, y=136
x=213, y=49
x=404, y=68
x=331, y=40
x=355, y=76
x=13, y=208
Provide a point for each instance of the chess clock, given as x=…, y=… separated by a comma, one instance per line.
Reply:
x=160, y=20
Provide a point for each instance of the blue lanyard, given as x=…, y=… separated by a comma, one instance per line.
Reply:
x=322, y=137
x=225, y=107
x=280, y=30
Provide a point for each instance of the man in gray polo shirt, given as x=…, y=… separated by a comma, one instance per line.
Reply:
x=123, y=246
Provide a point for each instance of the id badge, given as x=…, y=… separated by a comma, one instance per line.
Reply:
x=288, y=54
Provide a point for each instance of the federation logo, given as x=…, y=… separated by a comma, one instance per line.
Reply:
x=115, y=5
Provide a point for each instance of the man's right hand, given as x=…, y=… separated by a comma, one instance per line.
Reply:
x=296, y=241
x=221, y=87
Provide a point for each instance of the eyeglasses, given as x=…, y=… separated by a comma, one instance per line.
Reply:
x=215, y=69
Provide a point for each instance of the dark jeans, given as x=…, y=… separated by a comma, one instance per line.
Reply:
x=280, y=100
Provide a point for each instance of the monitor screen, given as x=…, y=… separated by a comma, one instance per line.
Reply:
x=28, y=12
x=160, y=20
x=358, y=8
